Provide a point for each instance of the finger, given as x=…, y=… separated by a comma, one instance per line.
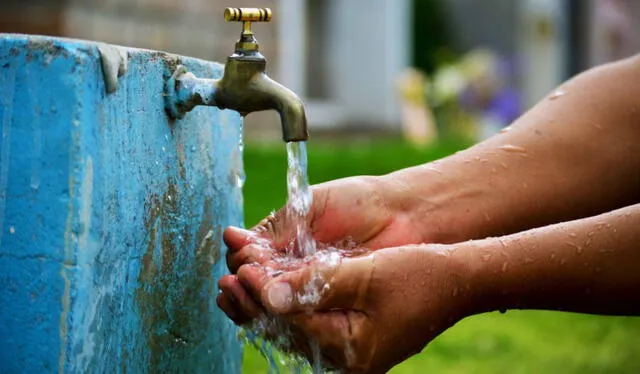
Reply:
x=276, y=227
x=226, y=305
x=236, y=238
x=320, y=286
x=253, y=278
x=244, y=306
x=246, y=255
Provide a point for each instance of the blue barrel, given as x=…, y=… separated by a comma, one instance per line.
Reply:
x=111, y=213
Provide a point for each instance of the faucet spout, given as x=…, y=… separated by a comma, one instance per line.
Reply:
x=288, y=105
x=246, y=88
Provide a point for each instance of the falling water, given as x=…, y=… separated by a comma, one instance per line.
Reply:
x=301, y=245
x=299, y=201
x=301, y=249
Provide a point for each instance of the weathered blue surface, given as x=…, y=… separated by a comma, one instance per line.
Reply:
x=110, y=215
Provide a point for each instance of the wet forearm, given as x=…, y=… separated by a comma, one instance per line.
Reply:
x=589, y=265
x=572, y=156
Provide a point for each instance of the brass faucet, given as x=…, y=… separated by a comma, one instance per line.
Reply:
x=244, y=86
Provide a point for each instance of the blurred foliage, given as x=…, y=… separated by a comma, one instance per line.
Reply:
x=432, y=36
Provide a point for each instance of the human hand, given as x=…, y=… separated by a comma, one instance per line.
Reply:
x=363, y=210
x=369, y=312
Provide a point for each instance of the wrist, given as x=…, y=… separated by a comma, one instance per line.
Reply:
x=483, y=264
x=443, y=205
x=457, y=273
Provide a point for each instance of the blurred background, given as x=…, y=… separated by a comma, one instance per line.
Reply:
x=423, y=68
x=389, y=84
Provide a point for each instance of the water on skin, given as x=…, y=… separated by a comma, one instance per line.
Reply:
x=556, y=94
x=512, y=148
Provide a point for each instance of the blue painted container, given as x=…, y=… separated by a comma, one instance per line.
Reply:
x=111, y=214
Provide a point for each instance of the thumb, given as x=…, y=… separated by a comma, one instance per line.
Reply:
x=320, y=286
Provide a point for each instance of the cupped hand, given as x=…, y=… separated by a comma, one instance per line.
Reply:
x=364, y=210
x=366, y=313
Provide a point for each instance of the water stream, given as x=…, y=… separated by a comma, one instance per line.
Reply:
x=299, y=200
x=301, y=246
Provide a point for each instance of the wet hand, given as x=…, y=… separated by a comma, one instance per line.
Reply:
x=358, y=209
x=362, y=210
x=366, y=313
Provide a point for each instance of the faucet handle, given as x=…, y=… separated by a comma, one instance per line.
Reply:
x=247, y=45
x=247, y=14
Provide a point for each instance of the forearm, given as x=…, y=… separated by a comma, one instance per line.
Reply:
x=570, y=157
x=590, y=265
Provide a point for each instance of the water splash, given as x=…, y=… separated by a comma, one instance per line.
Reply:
x=272, y=335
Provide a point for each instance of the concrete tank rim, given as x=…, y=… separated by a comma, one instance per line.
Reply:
x=66, y=42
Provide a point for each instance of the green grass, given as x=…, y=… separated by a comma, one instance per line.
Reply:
x=515, y=343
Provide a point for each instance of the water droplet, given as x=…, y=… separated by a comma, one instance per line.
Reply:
x=574, y=245
x=486, y=257
x=505, y=265
x=506, y=129
x=239, y=179
x=573, y=235
x=494, y=170
x=433, y=169
x=164, y=149
x=553, y=256
x=556, y=94
x=504, y=165
x=12, y=230
x=512, y=148
x=455, y=291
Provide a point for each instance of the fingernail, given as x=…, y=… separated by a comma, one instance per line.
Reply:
x=279, y=296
